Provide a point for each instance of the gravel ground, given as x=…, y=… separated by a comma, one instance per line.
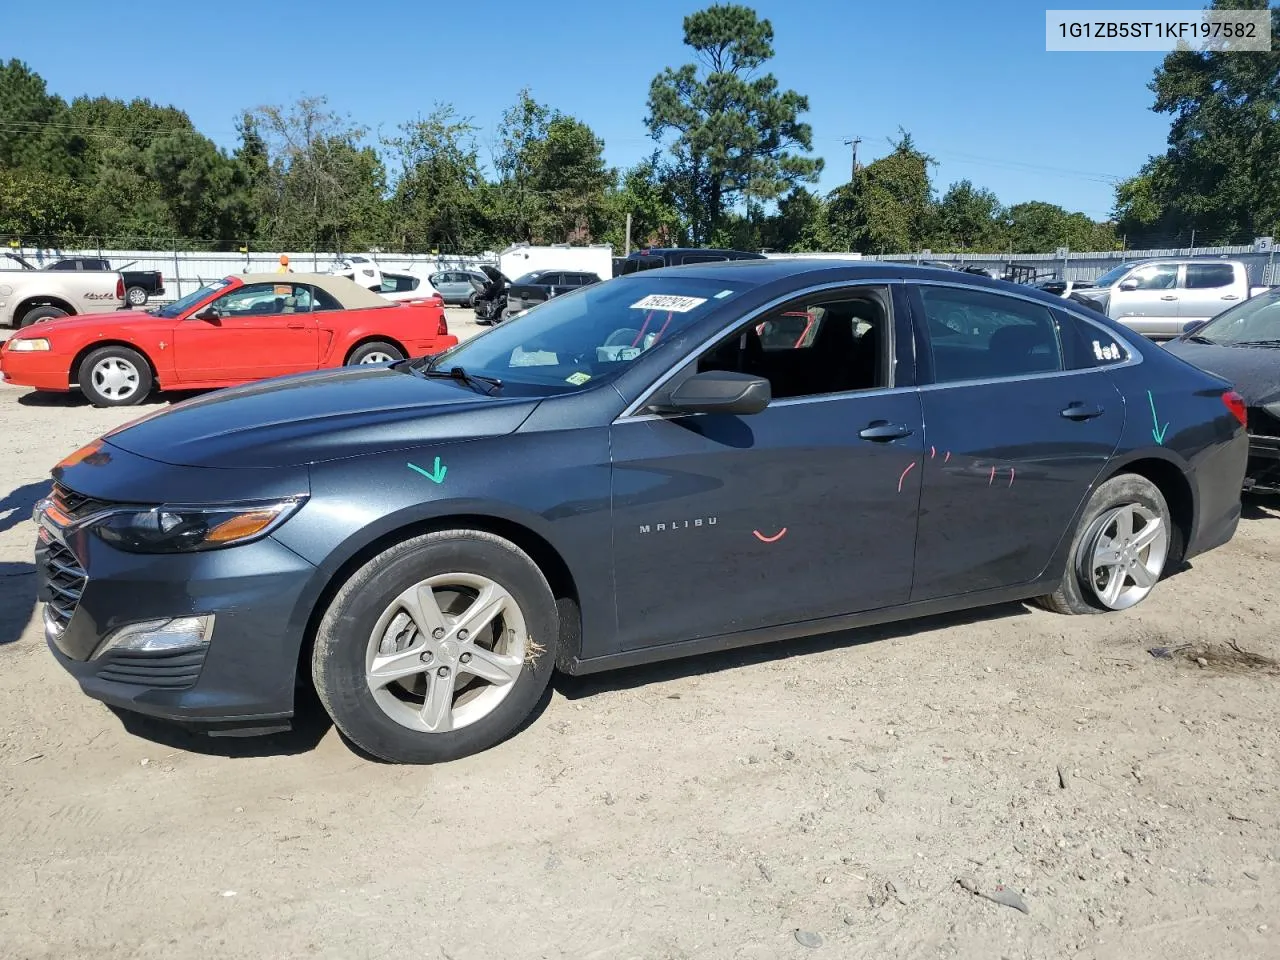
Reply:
x=841, y=796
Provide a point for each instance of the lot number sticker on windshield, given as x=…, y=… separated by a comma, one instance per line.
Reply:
x=666, y=301
x=578, y=379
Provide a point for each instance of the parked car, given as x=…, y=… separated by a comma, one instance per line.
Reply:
x=1160, y=298
x=139, y=285
x=1063, y=288
x=656, y=257
x=406, y=288
x=458, y=286
x=623, y=475
x=1242, y=345
x=541, y=285
x=235, y=330
x=30, y=296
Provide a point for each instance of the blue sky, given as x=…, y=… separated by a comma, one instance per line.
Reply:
x=971, y=82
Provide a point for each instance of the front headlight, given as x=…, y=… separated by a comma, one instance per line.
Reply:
x=35, y=343
x=179, y=528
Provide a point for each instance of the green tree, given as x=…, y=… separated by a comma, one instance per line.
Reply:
x=641, y=192
x=437, y=199
x=799, y=225
x=36, y=131
x=734, y=134
x=889, y=207
x=968, y=218
x=44, y=207
x=1218, y=175
x=1038, y=227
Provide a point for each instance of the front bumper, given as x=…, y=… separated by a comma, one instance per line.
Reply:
x=244, y=677
x=43, y=369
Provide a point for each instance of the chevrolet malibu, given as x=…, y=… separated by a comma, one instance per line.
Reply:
x=637, y=470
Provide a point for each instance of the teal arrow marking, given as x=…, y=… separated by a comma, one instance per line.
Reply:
x=436, y=474
x=1157, y=431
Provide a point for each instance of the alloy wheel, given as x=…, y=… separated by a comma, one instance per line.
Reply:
x=1128, y=546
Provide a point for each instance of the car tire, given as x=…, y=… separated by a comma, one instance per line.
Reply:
x=36, y=314
x=136, y=296
x=1116, y=525
x=367, y=634
x=376, y=351
x=115, y=377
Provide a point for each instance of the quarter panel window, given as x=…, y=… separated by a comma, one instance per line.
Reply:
x=977, y=335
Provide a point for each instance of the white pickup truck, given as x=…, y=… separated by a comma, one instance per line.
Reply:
x=29, y=296
x=1161, y=298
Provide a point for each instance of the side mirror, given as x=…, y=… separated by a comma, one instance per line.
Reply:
x=1193, y=326
x=208, y=313
x=1130, y=284
x=721, y=391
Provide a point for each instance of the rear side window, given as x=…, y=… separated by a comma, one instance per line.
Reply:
x=643, y=263
x=702, y=258
x=1088, y=345
x=1203, y=276
x=323, y=300
x=977, y=335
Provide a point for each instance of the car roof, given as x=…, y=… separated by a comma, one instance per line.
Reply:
x=350, y=294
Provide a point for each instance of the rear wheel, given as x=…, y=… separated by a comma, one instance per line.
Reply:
x=1120, y=549
x=115, y=377
x=378, y=351
x=136, y=296
x=37, y=314
x=438, y=648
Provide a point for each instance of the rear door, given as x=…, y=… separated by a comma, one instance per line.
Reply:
x=1019, y=423
x=1151, y=307
x=1209, y=288
x=261, y=330
x=803, y=511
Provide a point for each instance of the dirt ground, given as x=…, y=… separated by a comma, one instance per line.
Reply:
x=816, y=798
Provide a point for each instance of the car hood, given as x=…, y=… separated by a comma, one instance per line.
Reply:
x=1254, y=371
x=313, y=417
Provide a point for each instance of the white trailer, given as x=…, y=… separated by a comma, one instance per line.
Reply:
x=521, y=258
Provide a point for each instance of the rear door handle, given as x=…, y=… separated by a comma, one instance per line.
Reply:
x=1168, y=298
x=882, y=431
x=1080, y=411
x=1230, y=296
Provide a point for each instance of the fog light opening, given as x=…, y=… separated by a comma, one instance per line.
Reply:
x=159, y=636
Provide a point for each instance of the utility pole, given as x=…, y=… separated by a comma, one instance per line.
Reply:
x=853, y=141
x=628, y=253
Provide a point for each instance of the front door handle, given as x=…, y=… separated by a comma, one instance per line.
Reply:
x=297, y=326
x=882, y=431
x=1080, y=411
x=1168, y=298
x=1230, y=296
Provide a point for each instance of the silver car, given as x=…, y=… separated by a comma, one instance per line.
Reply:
x=1160, y=298
x=457, y=286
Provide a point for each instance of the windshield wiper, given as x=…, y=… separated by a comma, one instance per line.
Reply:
x=1258, y=343
x=461, y=375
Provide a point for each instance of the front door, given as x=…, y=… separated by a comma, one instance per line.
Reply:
x=260, y=330
x=803, y=511
x=1207, y=290
x=1019, y=423
x=1151, y=307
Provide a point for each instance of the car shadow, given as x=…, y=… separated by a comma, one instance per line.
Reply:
x=577, y=687
x=309, y=726
x=76, y=399
x=1259, y=507
x=16, y=505
x=17, y=599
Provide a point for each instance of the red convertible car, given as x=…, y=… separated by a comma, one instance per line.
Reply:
x=233, y=331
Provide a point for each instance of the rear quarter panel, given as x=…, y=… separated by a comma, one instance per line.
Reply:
x=412, y=325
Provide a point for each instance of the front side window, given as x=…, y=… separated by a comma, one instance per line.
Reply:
x=590, y=334
x=829, y=343
x=182, y=305
x=1205, y=276
x=976, y=335
x=1158, y=276
x=257, y=300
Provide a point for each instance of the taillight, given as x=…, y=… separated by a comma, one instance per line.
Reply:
x=443, y=329
x=119, y=288
x=1235, y=403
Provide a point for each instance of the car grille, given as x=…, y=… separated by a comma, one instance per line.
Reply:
x=65, y=579
x=75, y=505
x=1261, y=423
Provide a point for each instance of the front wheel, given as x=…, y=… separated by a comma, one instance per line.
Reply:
x=378, y=351
x=115, y=377
x=1120, y=549
x=437, y=648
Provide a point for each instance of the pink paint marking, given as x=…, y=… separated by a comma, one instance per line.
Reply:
x=1011, y=475
x=774, y=539
x=904, y=474
x=933, y=452
x=991, y=479
x=948, y=457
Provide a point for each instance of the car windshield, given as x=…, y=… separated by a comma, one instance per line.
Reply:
x=1112, y=275
x=179, y=307
x=589, y=335
x=1255, y=320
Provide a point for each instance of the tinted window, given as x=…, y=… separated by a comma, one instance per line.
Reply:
x=977, y=335
x=1088, y=345
x=65, y=265
x=1158, y=276
x=643, y=263
x=817, y=346
x=702, y=258
x=1204, y=275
